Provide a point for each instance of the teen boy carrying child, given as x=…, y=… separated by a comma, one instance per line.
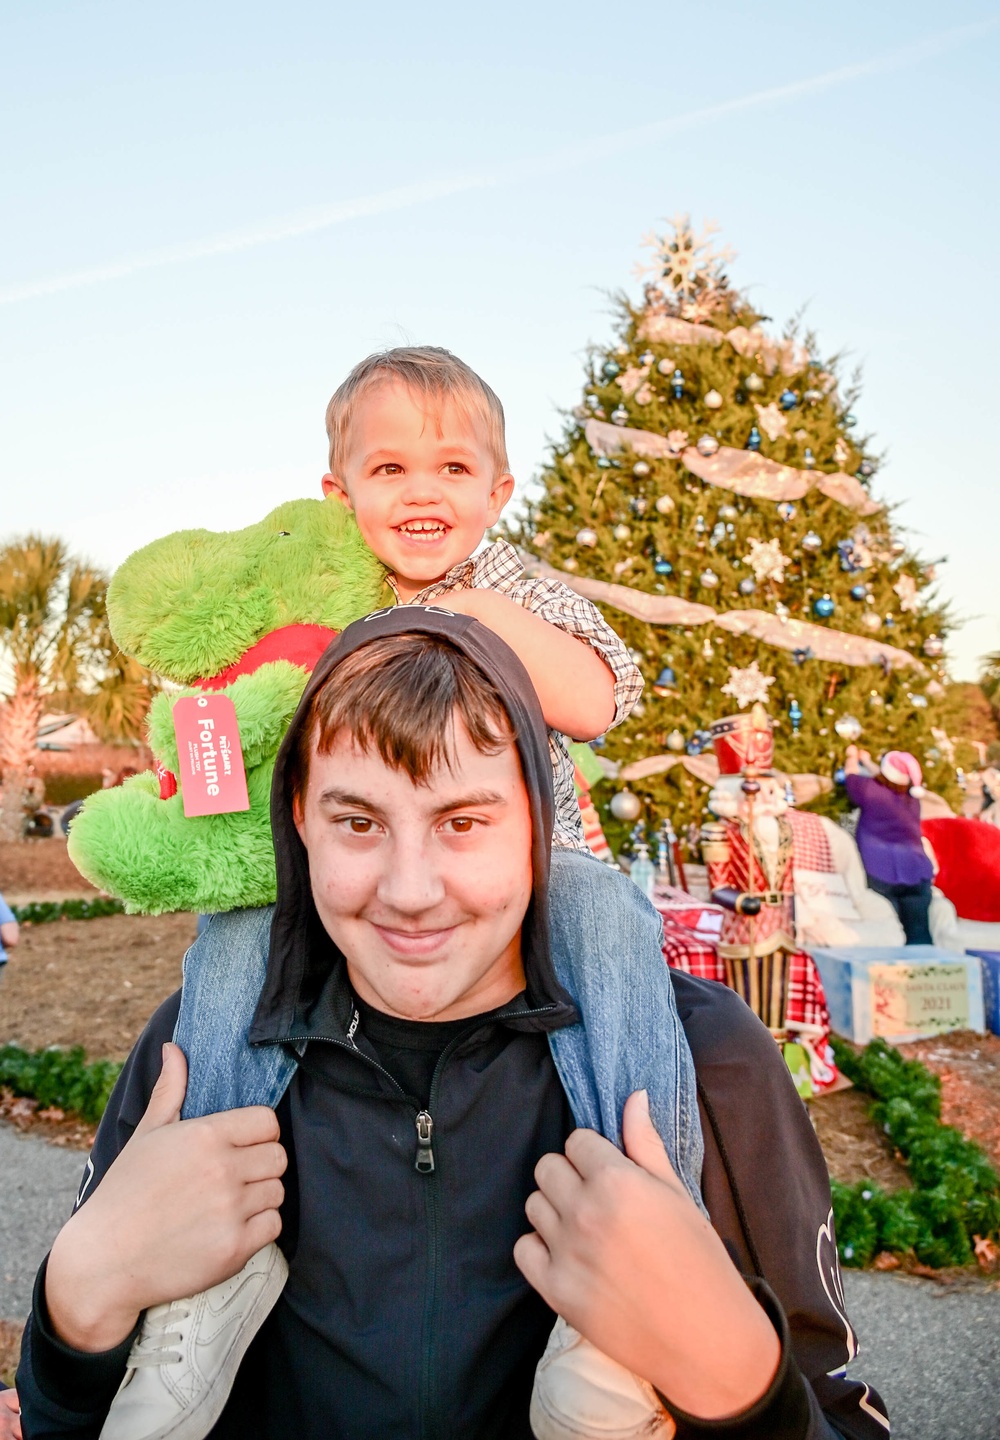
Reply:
x=417, y=450
x=433, y=1069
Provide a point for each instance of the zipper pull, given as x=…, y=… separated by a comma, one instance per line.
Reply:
x=425, y=1155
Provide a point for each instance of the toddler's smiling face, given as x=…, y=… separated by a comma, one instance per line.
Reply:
x=422, y=483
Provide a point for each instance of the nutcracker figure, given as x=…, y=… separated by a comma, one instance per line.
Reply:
x=750, y=856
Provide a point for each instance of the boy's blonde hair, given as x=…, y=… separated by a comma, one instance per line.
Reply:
x=431, y=372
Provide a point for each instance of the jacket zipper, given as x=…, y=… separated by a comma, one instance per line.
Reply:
x=425, y=1164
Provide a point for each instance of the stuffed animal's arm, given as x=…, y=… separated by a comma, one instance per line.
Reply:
x=265, y=702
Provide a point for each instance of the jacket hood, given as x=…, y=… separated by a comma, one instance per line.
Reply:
x=301, y=953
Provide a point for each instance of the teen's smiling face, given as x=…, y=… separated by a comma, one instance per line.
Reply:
x=423, y=888
x=421, y=481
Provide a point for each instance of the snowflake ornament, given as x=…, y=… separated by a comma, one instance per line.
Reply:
x=906, y=588
x=687, y=270
x=766, y=560
x=676, y=441
x=631, y=379
x=772, y=421
x=748, y=686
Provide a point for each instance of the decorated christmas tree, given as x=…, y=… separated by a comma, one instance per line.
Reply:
x=712, y=493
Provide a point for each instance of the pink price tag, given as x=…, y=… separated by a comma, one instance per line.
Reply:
x=213, y=780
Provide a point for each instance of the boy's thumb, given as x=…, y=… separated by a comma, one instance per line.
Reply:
x=168, y=1093
x=641, y=1140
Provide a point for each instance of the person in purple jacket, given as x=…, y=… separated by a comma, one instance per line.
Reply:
x=889, y=838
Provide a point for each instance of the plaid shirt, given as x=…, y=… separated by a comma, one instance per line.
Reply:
x=498, y=568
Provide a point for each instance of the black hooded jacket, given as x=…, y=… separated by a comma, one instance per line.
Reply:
x=404, y=1316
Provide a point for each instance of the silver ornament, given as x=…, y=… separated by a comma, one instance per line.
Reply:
x=626, y=806
x=621, y=532
x=754, y=384
x=728, y=512
x=713, y=400
x=933, y=646
x=587, y=537
x=811, y=542
x=664, y=505
x=675, y=740
x=707, y=445
x=848, y=727
x=709, y=579
x=619, y=415
x=666, y=367
x=640, y=469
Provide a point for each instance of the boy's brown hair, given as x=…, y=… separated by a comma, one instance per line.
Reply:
x=432, y=373
x=400, y=695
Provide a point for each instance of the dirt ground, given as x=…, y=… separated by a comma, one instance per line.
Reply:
x=93, y=983
x=39, y=870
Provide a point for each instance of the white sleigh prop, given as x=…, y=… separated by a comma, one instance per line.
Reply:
x=836, y=907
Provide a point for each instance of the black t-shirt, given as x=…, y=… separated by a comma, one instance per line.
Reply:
x=411, y=1049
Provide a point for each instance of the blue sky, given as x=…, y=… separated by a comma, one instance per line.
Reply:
x=212, y=211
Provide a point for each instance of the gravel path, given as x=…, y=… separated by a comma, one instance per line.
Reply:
x=38, y=1184
x=932, y=1352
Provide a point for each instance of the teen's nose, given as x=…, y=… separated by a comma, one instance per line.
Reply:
x=411, y=882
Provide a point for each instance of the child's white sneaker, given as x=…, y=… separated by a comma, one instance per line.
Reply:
x=581, y=1394
x=182, y=1366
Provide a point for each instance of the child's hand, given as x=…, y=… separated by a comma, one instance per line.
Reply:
x=622, y=1252
x=575, y=687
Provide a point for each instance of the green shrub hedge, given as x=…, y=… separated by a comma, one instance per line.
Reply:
x=63, y=1078
x=956, y=1191
x=40, y=912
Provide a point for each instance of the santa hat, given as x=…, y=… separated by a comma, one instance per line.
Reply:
x=901, y=768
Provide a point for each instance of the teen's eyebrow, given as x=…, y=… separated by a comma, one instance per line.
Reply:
x=474, y=800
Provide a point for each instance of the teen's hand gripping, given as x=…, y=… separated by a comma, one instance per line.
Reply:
x=622, y=1253
x=184, y=1206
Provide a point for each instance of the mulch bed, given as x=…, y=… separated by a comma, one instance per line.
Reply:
x=969, y=1067
x=854, y=1147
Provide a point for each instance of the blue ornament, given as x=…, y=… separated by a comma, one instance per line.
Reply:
x=786, y=510
x=666, y=680
x=718, y=533
x=610, y=369
x=809, y=459
x=801, y=655
x=850, y=419
x=677, y=384
x=859, y=592
x=662, y=566
x=747, y=586
x=824, y=607
x=866, y=469
x=754, y=442
x=693, y=747
x=839, y=775
x=795, y=715
x=788, y=400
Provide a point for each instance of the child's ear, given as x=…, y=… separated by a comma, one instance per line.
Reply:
x=336, y=488
x=503, y=489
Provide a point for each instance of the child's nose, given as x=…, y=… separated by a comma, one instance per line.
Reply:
x=421, y=488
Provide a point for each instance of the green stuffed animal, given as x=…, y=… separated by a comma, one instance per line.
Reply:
x=246, y=613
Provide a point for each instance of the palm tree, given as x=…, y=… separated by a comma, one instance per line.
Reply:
x=56, y=648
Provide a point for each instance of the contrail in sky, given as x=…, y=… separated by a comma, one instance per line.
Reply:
x=307, y=222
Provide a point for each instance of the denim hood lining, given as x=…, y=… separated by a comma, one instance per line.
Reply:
x=303, y=962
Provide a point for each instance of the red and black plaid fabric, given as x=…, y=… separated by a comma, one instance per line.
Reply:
x=685, y=949
x=812, y=849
